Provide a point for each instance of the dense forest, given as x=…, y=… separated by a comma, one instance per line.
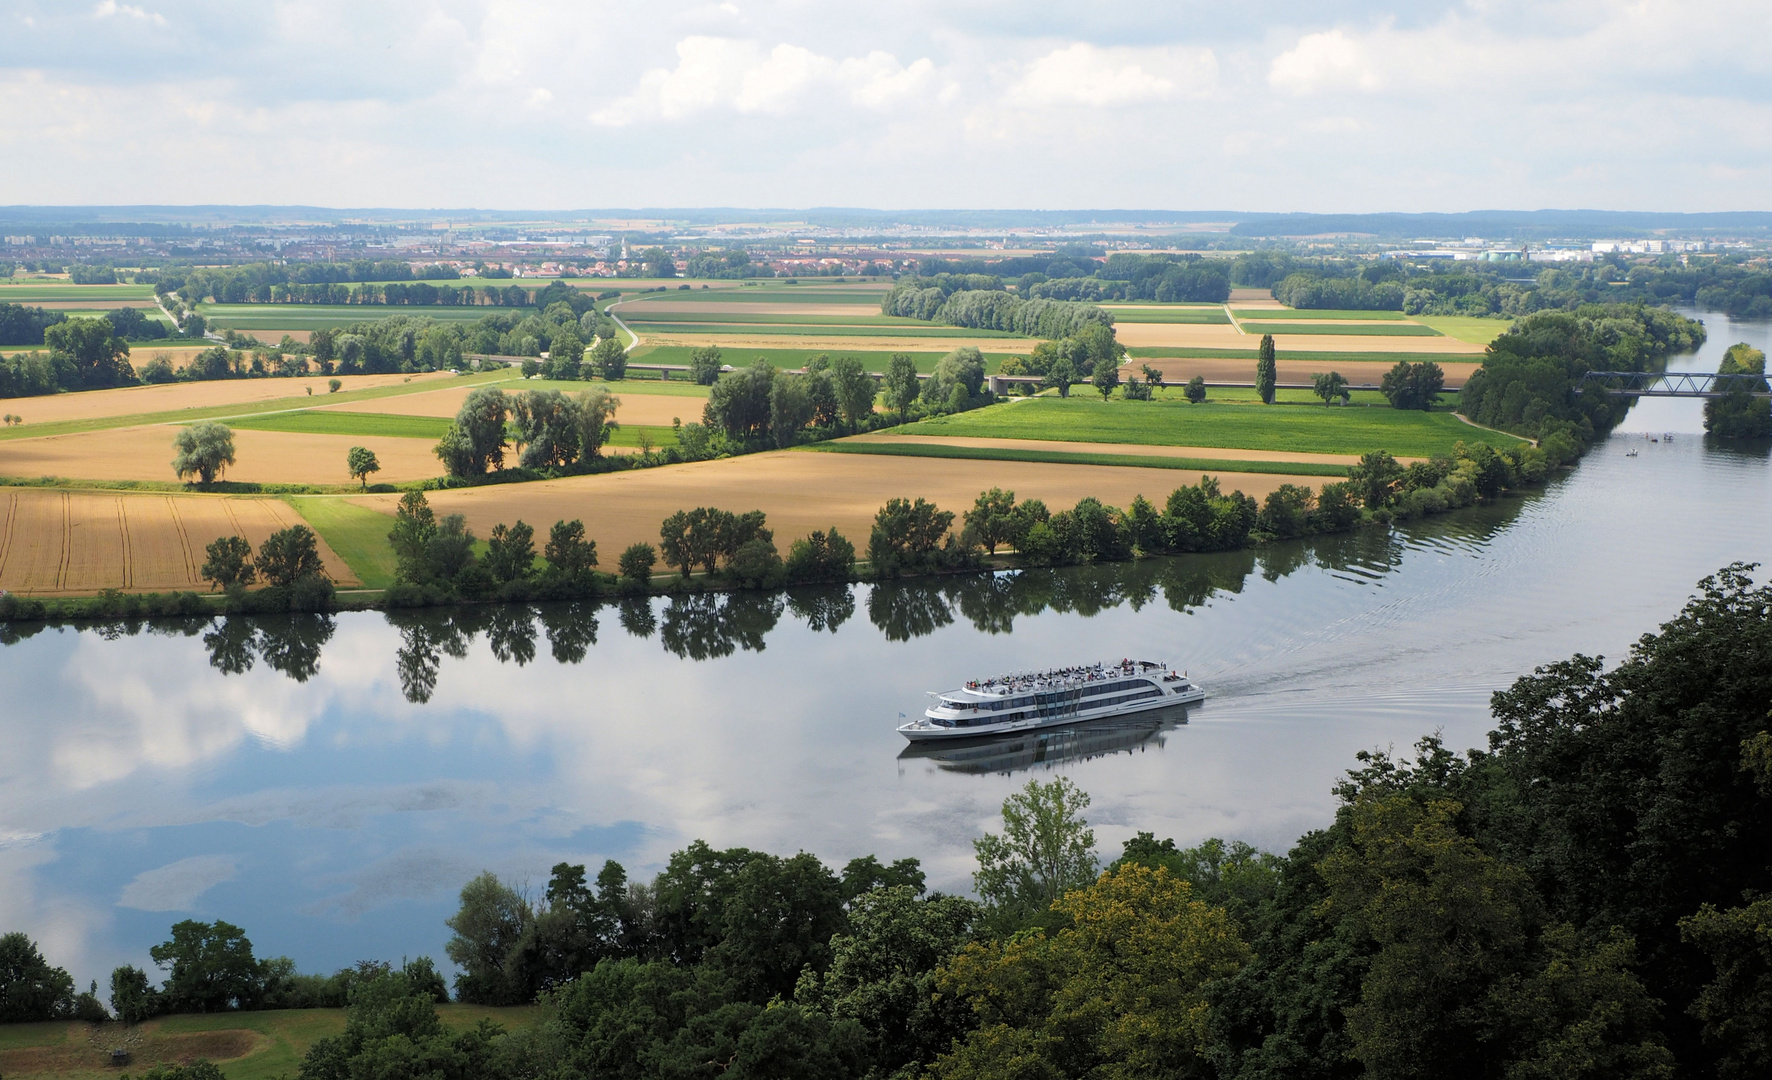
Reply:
x=1585, y=897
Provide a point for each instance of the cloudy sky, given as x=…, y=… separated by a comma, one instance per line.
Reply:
x=1314, y=105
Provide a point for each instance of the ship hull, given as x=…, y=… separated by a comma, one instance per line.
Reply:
x=923, y=731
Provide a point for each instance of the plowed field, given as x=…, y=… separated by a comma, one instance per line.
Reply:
x=76, y=542
x=265, y=457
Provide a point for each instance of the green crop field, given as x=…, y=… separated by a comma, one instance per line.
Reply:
x=1195, y=316
x=37, y=292
x=768, y=294
x=910, y=448
x=318, y=316
x=1471, y=328
x=1377, y=329
x=1160, y=352
x=357, y=533
x=654, y=317
x=1268, y=314
x=638, y=383
x=333, y=422
x=740, y=356
x=1297, y=429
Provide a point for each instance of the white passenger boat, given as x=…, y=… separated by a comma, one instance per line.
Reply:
x=1039, y=699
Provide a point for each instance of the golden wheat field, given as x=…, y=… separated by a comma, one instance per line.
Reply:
x=262, y=457
x=801, y=491
x=170, y=397
x=79, y=542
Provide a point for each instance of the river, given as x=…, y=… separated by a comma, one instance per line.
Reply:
x=329, y=784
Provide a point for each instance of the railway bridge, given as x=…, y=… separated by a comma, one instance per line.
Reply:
x=1687, y=384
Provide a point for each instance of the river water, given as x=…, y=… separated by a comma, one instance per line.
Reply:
x=329, y=784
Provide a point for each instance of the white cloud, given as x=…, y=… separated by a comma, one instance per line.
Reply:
x=1085, y=74
x=727, y=73
x=1324, y=61
x=108, y=8
x=176, y=886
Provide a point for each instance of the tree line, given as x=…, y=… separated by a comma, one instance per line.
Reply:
x=1584, y=897
x=1739, y=414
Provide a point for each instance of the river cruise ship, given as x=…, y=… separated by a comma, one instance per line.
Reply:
x=1039, y=699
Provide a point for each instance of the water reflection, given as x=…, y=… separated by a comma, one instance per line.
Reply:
x=1009, y=754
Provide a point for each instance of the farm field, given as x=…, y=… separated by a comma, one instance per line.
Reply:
x=247, y=1045
x=1285, y=428
x=202, y=400
x=1202, y=315
x=642, y=402
x=358, y=534
x=1470, y=328
x=1225, y=458
x=1015, y=450
x=368, y=425
x=1317, y=314
x=880, y=328
x=78, y=542
x=812, y=340
x=317, y=316
x=1174, y=339
x=145, y=453
x=800, y=491
x=1370, y=329
x=44, y=292
x=793, y=359
x=1289, y=370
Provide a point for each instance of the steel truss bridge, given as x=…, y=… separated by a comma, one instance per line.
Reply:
x=1689, y=384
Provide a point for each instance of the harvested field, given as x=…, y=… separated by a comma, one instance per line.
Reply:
x=1359, y=372
x=1198, y=316
x=813, y=339
x=275, y=336
x=1342, y=329
x=1277, y=312
x=1174, y=335
x=800, y=491
x=264, y=457
x=79, y=542
x=169, y=397
x=1253, y=298
x=637, y=406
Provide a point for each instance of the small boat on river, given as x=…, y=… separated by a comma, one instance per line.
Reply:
x=1039, y=699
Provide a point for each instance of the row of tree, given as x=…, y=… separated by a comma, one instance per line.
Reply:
x=1744, y=411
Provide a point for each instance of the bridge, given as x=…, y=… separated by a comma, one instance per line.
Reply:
x=1688, y=384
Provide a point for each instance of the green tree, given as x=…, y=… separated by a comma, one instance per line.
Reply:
x=487, y=927
x=89, y=352
x=790, y=408
x=906, y=534
x=1196, y=390
x=30, y=989
x=1739, y=413
x=567, y=550
x=392, y=1032
x=566, y=353
x=1267, y=370
x=544, y=423
x=1046, y=849
x=1413, y=385
x=1734, y=1005
x=992, y=518
x=855, y=390
x=1119, y=992
x=674, y=542
x=1152, y=375
x=415, y=526
x=637, y=561
x=210, y=968
x=820, y=556
x=361, y=462
x=1106, y=376
x=595, y=417
x=1375, y=478
x=901, y=384
x=133, y=997
x=704, y=365
x=290, y=555
x=476, y=442
x=1329, y=387
x=610, y=361
x=739, y=404
x=228, y=562
x=1062, y=375
x=205, y=450
x=510, y=552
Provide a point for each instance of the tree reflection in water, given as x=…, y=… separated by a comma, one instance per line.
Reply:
x=705, y=626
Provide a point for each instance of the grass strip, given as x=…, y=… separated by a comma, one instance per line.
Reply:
x=1398, y=329
x=1066, y=457
x=1270, y=314
x=329, y=422
x=1191, y=317
x=357, y=533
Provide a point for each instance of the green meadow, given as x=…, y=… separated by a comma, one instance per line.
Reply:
x=1290, y=428
x=1378, y=329
x=1007, y=452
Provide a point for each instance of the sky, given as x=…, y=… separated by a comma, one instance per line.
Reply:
x=1290, y=105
